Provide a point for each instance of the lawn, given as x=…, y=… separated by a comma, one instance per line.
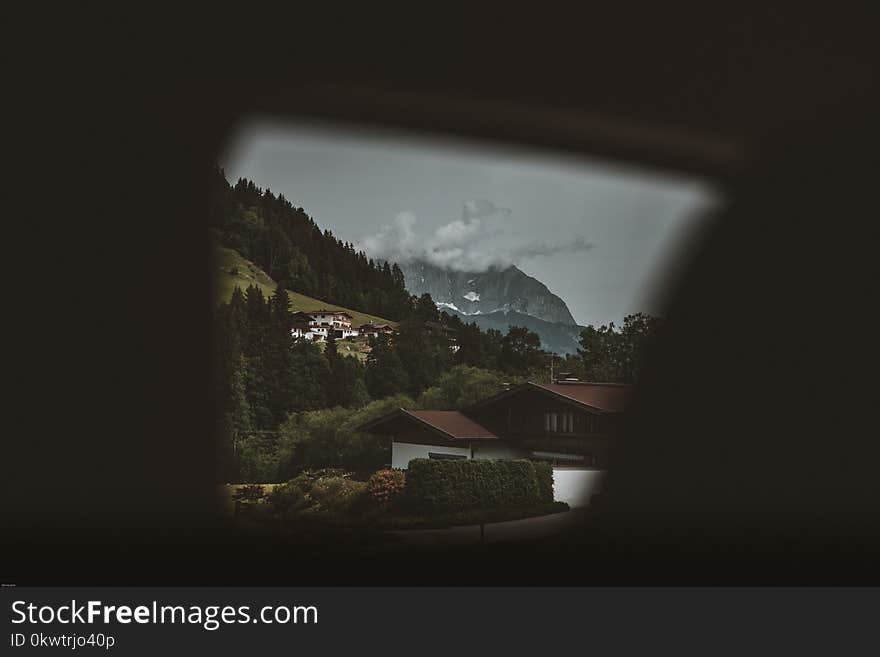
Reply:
x=354, y=348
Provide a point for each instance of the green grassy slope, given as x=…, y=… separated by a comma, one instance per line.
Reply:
x=228, y=260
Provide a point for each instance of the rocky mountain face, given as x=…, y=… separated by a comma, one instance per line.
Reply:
x=497, y=290
x=555, y=336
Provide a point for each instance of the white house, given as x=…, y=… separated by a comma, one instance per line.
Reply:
x=317, y=325
x=569, y=424
x=337, y=319
x=343, y=334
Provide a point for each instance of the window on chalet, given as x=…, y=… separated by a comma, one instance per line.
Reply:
x=559, y=422
x=445, y=457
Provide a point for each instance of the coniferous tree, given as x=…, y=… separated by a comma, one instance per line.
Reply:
x=233, y=409
x=470, y=346
x=283, y=240
x=425, y=309
x=335, y=389
x=425, y=352
x=386, y=374
x=308, y=377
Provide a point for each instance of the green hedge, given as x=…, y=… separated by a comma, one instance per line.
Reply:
x=444, y=486
x=544, y=473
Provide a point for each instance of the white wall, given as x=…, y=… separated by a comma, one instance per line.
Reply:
x=576, y=485
x=403, y=453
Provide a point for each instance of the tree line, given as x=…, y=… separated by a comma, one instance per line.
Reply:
x=263, y=375
x=290, y=247
x=285, y=403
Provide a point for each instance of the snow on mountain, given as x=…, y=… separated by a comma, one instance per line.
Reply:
x=486, y=292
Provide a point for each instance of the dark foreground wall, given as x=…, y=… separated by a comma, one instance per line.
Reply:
x=751, y=452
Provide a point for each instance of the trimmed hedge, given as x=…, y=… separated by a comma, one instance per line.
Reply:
x=445, y=486
x=544, y=473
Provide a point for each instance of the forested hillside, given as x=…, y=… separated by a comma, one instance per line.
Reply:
x=234, y=270
x=290, y=247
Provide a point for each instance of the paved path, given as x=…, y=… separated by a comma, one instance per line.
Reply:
x=495, y=532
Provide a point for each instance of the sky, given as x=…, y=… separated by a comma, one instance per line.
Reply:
x=602, y=236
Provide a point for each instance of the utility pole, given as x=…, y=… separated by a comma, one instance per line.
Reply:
x=552, y=358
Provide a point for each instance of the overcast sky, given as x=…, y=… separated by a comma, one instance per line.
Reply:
x=599, y=236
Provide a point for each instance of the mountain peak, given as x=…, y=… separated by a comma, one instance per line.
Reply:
x=481, y=293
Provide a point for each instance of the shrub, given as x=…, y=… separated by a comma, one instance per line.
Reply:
x=328, y=488
x=307, y=478
x=289, y=497
x=385, y=486
x=336, y=494
x=544, y=474
x=442, y=486
x=328, y=437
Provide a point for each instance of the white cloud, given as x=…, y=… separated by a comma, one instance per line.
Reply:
x=476, y=242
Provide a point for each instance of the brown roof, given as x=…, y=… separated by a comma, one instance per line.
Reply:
x=608, y=397
x=453, y=423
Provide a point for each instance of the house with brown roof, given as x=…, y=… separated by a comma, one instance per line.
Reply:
x=335, y=319
x=372, y=330
x=570, y=424
x=322, y=324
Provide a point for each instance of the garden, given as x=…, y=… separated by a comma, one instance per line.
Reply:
x=430, y=494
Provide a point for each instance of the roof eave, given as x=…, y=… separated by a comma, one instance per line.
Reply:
x=444, y=433
x=528, y=385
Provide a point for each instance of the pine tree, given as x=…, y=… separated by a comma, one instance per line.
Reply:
x=335, y=389
x=386, y=374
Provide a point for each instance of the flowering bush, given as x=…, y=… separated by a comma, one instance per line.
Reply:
x=336, y=494
x=385, y=485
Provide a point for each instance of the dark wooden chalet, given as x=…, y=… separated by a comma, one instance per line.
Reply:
x=566, y=423
x=560, y=422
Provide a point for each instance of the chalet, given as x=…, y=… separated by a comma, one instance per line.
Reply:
x=299, y=318
x=319, y=325
x=336, y=319
x=345, y=333
x=570, y=424
x=300, y=324
x=373, y=330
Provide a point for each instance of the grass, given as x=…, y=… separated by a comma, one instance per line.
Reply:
x=354, y=348
x=247, y=273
